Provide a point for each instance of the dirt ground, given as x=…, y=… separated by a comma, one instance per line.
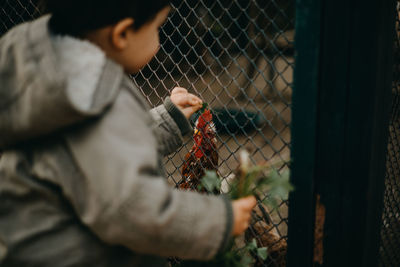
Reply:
x=270, y=96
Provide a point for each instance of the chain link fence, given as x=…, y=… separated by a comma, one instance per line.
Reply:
x=15, y=12
x=390, y=233
x=238, y=56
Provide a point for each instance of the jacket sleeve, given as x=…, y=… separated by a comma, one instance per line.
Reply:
x=123, y=199
x=171, y=125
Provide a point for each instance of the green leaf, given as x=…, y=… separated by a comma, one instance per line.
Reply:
x=246, y=261
x=203, y=108
x=265, y=179
x=280, y=185
x=211, y=181
x=262, y=253
x=257, y=168
x=252, y=245
x=271, y=202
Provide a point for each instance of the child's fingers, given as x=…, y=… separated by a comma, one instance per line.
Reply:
x=187, y=100
x=181, y=97
x=241, y=215
x=189, y=110
x=179, y=90
x=194, y=100
x=246, y=225
x=248, y=203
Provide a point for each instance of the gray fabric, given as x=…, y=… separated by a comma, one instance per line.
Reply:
x=130, y=204
x=166, y=129
x=178, y=117
x=84, y=187
x=229, y=224
x=33, y=99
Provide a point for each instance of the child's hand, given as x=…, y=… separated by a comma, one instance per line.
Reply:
x=242, y=213
x=186, y=102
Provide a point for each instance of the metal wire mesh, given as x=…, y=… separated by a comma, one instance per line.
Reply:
x=238, y=57
x=390, y=233
x=15, y=12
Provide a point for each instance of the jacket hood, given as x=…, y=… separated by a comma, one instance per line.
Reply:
x=50, y=82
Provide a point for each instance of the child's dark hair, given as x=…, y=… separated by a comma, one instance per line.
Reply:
x=78, y=17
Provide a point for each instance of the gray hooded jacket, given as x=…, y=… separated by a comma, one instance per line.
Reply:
x=80, y=177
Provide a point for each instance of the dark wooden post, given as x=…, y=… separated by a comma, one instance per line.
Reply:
x=340, y=109
x=304, y=124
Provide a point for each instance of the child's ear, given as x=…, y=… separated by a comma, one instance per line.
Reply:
x=119, y=33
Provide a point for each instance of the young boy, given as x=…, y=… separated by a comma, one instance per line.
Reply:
x=81, y=181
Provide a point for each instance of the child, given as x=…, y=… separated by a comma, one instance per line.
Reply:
x=81, y=181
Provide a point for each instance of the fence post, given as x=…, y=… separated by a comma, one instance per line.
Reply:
x=304, y=122
x=345, y=113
